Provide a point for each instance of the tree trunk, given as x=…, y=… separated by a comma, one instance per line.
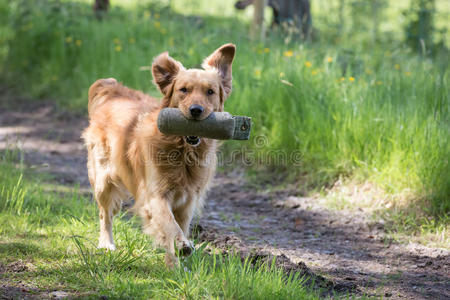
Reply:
x=258, y=30
x=100, y=8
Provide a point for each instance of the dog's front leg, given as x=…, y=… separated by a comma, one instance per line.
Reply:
x=160, y=223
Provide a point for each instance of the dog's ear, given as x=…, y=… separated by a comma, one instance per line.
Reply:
x=164, y=70
x=222, y=59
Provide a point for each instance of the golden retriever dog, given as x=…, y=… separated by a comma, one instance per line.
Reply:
x=127, y=154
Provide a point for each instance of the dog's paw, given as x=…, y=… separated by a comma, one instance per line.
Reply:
x=106, y=245
x=186, y=248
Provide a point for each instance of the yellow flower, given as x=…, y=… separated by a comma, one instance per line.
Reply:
x=308, y=64
x=314, y=72
x=116, y=41
x=407, y=73
x=157, y=16
x=78, y=43
x=157, y=24
x=132, y=40
x=147, y=14
x=351, y=79
x=288, y=53
x=205, y=40
x=282, y=75
x=69, y=39
x=342, y=78
x=397, y=66
x=257, y=72
x=118, y=48
x=379, y=82
x=266, y=50
x=329, y=59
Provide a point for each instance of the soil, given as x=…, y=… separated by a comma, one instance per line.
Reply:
x=343, y=251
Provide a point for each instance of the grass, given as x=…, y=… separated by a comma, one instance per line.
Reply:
x=348, y=106
x=54, y=235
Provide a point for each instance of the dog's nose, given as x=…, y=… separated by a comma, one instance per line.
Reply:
x=196, y=110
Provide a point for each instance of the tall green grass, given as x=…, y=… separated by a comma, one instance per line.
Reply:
x=370, y=111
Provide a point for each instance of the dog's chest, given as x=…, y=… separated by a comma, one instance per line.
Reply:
x=186, y=168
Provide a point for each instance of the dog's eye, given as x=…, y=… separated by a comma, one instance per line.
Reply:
x=184, y=90
x=210, y=92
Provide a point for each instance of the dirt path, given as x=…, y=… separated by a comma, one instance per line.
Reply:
x=344, y=247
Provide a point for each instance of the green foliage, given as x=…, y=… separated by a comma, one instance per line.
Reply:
x=369, y=111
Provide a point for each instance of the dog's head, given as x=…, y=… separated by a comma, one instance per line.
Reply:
x=197, y=93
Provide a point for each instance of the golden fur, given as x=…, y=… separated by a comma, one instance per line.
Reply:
x=128, y=155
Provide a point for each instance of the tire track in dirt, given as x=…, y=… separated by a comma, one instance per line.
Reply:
x=345, y=247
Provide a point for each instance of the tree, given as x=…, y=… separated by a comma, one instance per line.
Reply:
x=420, y=28
x=295, y=12
x=100, y=8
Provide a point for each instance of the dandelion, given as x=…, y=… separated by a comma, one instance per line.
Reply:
x=118, y=48
x=314, y=72
x=157, y=16
x=379, y=82
x=132, y=40
x=397, y=66
x=329, y=59
x=288, y=53
x=257, y=72
x=342, y=79
x=407, y=73
x=78, y=43
x=205, y=40
x=266, y=50
x=69, y=39
x=147, y=14
x=157, y=24
x=351, y=79
x=116, y=41
x=282, y=75
x=308, y=64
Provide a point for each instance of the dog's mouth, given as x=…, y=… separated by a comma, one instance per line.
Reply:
x=192, y=140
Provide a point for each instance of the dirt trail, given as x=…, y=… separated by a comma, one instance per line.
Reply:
x=342, y=246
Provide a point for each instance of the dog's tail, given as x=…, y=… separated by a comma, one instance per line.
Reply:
x=98, y=91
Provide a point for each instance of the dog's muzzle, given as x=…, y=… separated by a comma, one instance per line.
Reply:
x=192, y=140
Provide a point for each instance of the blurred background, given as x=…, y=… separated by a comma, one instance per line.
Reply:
x=358, y=88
